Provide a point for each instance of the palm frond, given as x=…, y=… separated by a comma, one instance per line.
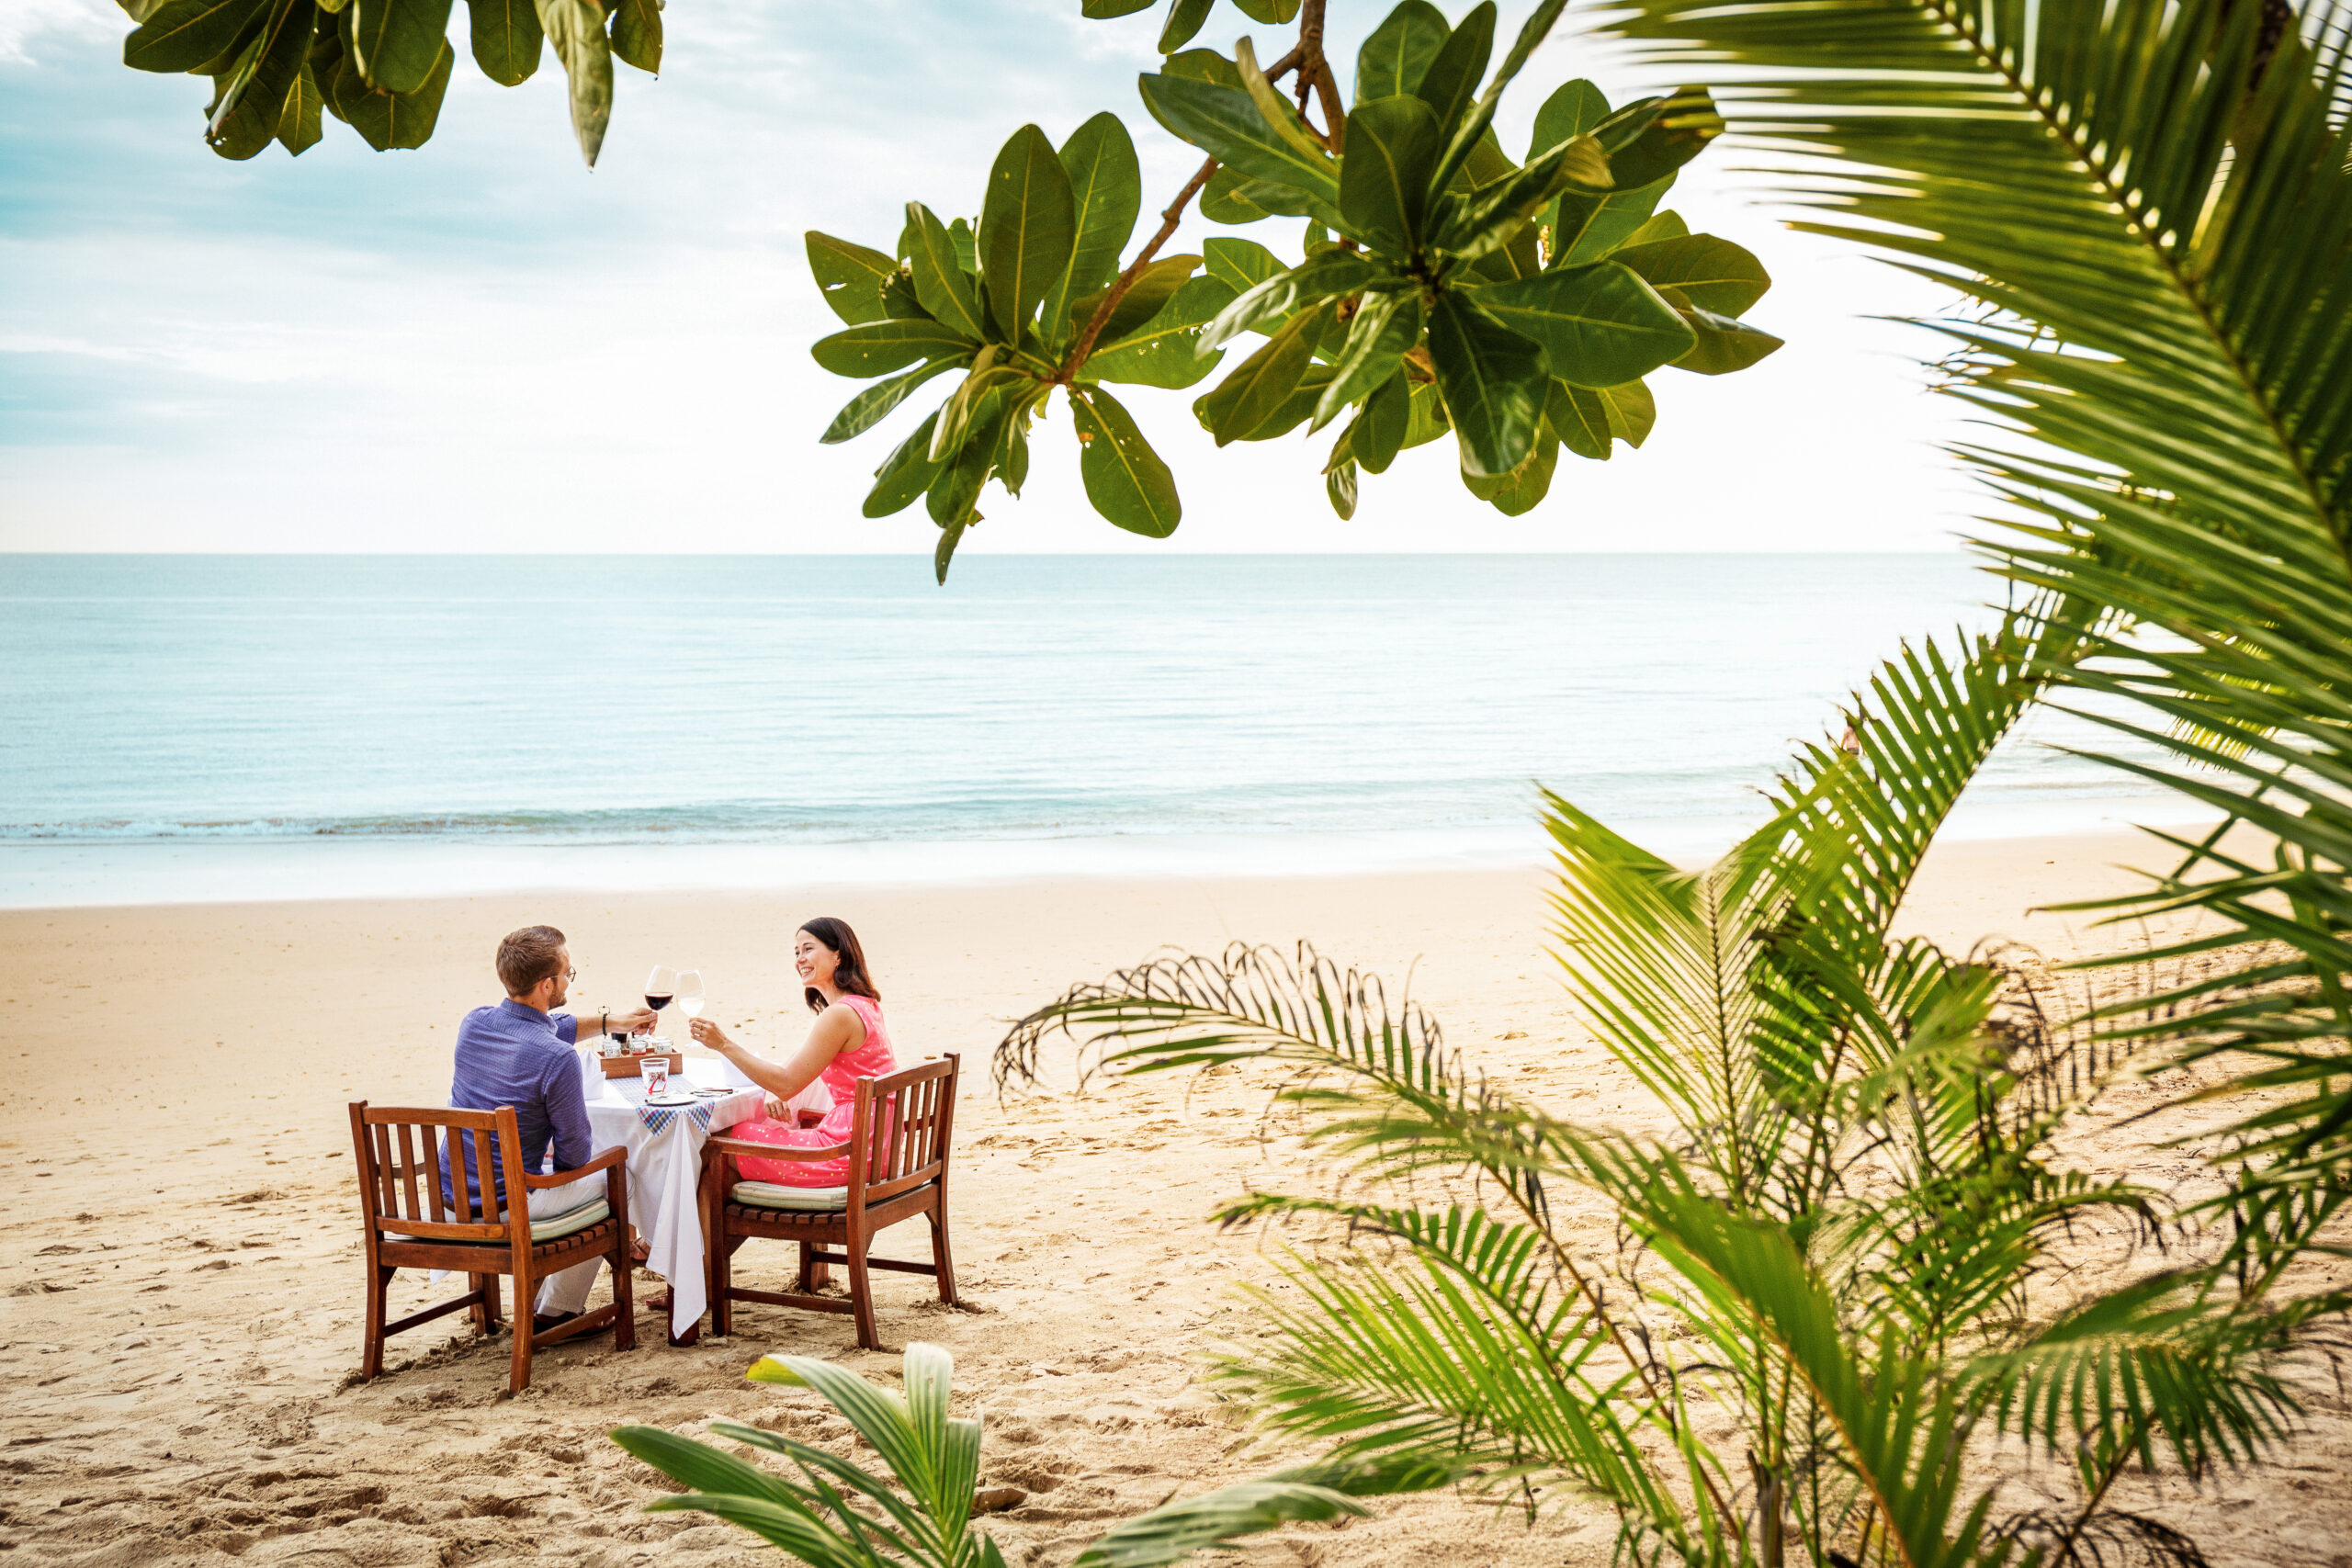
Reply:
x=2153, y=199
x=1174, y=1531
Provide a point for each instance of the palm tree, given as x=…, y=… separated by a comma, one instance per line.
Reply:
x=1842, y=1243
x=2150, y=203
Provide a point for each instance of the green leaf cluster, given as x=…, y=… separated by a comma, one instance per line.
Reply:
x=835, y=1514
x=1185, y=17
x=1520, y=304
x=380, y=66
x=1006, y=301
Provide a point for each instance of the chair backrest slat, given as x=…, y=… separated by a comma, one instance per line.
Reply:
x=399, y=1150
x=897, y=1133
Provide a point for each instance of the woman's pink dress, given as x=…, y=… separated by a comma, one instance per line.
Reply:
x=871, y=1058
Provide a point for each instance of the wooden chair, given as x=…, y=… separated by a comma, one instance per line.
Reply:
x=898, y=1169
x=410, y=1225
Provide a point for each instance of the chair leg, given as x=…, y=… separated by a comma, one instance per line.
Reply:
x=624, y=1292
x=813, y=1274
x=860, y=1294
x=493, y=1313
x=371, y=1355
x=526, y=1307
x=721, y=1266
x=940, y=1259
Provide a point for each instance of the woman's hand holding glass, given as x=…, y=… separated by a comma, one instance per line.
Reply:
x=707, y=1032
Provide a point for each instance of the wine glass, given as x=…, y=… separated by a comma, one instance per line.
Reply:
x=660, y=986
x=690, y=998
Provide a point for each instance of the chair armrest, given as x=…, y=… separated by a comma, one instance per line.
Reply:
x=605, y=1161
x=742, y=1149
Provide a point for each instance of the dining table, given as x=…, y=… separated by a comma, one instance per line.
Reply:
x=664, y=1144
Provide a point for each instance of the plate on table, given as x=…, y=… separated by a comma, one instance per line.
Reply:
x=670, y=1101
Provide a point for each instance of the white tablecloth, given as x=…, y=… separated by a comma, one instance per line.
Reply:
x=665, y=1164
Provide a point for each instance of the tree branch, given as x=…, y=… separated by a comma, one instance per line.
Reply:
x=1169, y=218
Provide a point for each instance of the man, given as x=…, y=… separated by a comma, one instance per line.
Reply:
x=520, y=1054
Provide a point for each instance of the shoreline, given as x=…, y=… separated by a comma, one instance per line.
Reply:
x=227, y=870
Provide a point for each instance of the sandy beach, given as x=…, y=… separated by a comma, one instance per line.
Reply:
x=181, y=1326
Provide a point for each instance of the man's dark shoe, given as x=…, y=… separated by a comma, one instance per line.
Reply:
x=543, y=1321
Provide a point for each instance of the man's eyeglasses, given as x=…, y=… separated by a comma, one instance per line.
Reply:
x=570, y=976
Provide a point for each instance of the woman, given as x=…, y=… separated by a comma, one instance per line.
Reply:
x=849, y=1042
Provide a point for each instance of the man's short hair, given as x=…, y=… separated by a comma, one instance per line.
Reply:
x=527, y=957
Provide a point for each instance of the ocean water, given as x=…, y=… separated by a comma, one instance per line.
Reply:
x=229, y=727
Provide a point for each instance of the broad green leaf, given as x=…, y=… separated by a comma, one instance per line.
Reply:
x=1573, y=108
x=944, y=551
x=1724, y=346
x=1397, y=55
x=326, y=65
x=396, y=43
x=1241, y=265
x=1658, y=226
x=876, y=348
x=1493, y=380
x=1598, y=326
x=1651, y=140
x=1632, y=411
x=1425, y=416
x=1101, y=10
x=1340, y=487
x=1279, y=296
x=299, y=121
x=905, y=474
x=1385, y=326
x=1160, y=353
x=1252, y=394
x=576, y=30
x=1393, y=146
x=988, y=386
x=1295, y=410
x=863, y=411
x=1377, y=433
x=899, y=300
x=1203, y=65
x=1580, y=418
x=1478, y=124
x=968, y=246
x=1231, y=197
x=506, y=39
x=1125, y=479
x=1493, y=215
x=637, y=34
x=1028, y=227
x=188, y=35
x=1450, y=85
x=1711, y=273
x=1145, y=299
x=1013, y=468
x=1269, y=12
x=387, y=120
x=1106, y=193
x=251, y=106
x=1273, y=107
x=941, y=284
x=1522, y=490
x=1184, y=19
x=956, y=489
x=1224, y=123
x=1587, y=226
x=850, y=276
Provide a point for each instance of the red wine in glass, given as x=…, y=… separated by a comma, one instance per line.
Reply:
x=660, y=986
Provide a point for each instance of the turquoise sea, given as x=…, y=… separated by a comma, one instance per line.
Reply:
x=237, y=726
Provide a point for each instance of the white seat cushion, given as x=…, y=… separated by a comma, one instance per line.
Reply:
x=771, y=1195
x=571, y=1220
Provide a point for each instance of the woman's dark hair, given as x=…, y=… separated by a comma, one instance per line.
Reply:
x=851, y=975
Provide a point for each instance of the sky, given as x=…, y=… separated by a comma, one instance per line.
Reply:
x=482, y=346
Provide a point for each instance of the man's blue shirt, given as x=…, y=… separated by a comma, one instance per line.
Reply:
x=517, y=1055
